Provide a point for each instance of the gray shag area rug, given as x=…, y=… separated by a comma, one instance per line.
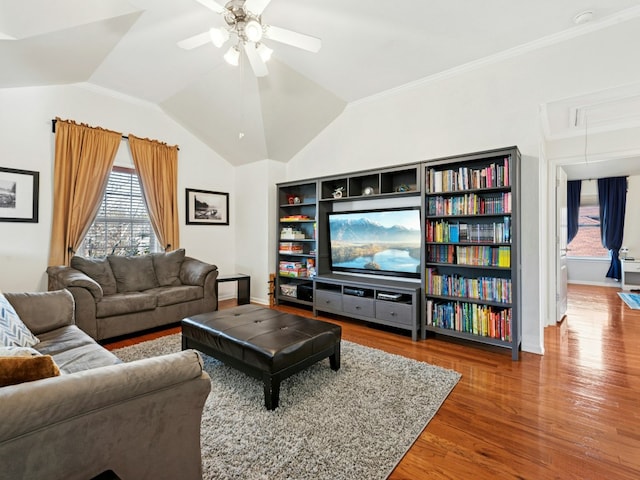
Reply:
x=356, y=423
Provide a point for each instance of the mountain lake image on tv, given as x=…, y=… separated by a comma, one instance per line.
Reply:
x=381, y=242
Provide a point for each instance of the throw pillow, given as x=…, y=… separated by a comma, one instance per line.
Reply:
x=133, y=274
x=14, y=370
x=12, y=331
x=18, y=352
x=167, y=267
x=98, y=269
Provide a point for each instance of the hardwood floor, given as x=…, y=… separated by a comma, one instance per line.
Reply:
x=573, y=413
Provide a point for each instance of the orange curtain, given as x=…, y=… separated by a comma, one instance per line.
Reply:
x=157, y=167
x=84, y=156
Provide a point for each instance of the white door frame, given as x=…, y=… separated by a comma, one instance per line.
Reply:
x=552, y=247
x=561, y=245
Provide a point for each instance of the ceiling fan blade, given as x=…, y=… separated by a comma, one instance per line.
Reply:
x=256, y=6
x=195, y=41
x=212, y=5
x=257, y=64
x=295, y=39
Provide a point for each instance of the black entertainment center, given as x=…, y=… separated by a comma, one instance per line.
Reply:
x=424, y=247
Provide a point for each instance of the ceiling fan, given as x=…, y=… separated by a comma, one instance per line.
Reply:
x=245, y=28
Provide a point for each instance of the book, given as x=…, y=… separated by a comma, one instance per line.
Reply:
x=454, y=233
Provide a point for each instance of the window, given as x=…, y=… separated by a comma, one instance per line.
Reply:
x=588, y=240
x=122, y=226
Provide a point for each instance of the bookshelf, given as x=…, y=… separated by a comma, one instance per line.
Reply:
x=469, y=285
x=471, y=280
x=296, y=242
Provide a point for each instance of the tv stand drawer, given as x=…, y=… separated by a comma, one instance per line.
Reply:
x=328, y=299
x=357, y=305
x=377, y=300
x=394, y=312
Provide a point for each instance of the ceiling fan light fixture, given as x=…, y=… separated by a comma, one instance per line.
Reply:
x=264, y=52
x=243, y=20
x=253, y=31
x=232, y=57
x=219, y=36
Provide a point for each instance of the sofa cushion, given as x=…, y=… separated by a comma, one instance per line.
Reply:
x=74, y=351
x=63, y=339
x=133, y=274
x=167, y=266
x=122, y=303
x=14, y=370
x=98, y=269
x=172, y=295
x=13, y=332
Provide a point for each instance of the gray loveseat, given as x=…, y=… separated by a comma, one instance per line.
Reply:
x=119, y=295
x=140, y=420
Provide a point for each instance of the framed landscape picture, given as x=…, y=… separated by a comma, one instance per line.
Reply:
x=18, y=195
x=207, y=208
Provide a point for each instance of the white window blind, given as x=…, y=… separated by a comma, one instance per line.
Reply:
x=122, y=226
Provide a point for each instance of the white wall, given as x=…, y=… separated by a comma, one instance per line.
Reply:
x=27, y=143
x=589, y=271
x=631, y=238
x=255, y=225
x=490, y=106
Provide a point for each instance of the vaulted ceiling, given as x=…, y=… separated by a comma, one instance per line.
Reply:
x=368, y=47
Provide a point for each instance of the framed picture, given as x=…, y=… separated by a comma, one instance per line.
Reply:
x=207, y=208
x=18, y=195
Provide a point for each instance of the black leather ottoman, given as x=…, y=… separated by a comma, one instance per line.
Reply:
x=264, y=343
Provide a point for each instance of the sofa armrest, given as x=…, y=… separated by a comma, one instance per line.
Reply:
x=194, y=272
x=86, y=311
x=106, y=418
x=44, y=311
x=65, y=277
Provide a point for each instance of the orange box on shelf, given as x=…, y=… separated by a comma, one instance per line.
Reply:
x=290, y=247
x=294, y=218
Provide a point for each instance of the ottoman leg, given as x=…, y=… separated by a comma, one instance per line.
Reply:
x=334, y=360
x=271, y=391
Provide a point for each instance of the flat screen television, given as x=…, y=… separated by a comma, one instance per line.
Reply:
x=376, y=242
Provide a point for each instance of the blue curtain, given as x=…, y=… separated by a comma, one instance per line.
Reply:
x=612, y=197
x=573, y=208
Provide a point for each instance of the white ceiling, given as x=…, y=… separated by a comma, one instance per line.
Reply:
x=368, y=47
x=595, y=135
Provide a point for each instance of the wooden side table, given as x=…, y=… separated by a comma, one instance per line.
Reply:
x=243, y=293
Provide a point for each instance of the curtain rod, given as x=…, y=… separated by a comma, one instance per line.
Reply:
x=53, y=130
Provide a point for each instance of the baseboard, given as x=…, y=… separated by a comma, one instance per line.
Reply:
x=232, y=296
x=595, y=284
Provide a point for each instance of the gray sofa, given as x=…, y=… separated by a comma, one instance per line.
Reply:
x=119, y=295
x=140, y=420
